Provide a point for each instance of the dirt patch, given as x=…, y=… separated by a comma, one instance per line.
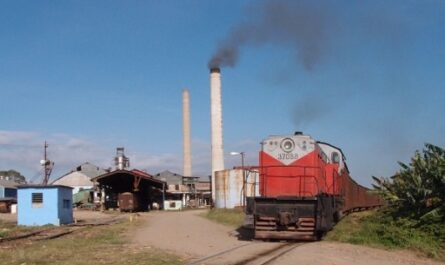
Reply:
x=185, y=233
x=346, y=254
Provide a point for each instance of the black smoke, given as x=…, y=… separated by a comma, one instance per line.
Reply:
x=299, y=25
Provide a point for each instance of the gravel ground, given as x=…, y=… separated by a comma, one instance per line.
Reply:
x=189, y=235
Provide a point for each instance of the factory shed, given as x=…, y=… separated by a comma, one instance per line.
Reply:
x=133, y=190
x=42, y=205
x=80, y=177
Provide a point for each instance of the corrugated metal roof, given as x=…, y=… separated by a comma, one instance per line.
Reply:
x=169, y=177
x=87, y=169
x=36, y=186
x=134, y=172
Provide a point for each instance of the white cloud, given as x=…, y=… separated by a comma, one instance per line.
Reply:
x=22, y=151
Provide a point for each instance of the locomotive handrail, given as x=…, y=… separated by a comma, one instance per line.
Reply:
x=302, y=184
x=334, y=186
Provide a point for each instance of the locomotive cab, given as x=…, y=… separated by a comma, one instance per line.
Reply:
x=336, y=168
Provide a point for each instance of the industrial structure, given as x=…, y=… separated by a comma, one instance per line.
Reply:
x=232, y=186
x=120, y=160
x=184, y=191
x=187, y=152
x=216, y=125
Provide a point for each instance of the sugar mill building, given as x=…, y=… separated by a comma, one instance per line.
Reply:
x=185, y=191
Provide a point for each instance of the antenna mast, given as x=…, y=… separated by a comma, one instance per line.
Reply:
x=47, y=165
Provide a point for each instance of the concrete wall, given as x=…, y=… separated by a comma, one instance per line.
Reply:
x=56, y=208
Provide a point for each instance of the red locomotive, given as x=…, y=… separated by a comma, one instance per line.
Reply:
x=305, y=188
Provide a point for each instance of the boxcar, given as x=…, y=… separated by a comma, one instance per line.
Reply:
x=128, y=202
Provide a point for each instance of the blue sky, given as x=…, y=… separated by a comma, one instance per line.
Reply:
x=89, y=76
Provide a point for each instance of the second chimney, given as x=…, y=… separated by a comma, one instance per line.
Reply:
x=187, y=166
x=216, y=124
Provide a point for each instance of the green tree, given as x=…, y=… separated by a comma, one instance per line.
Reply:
x=417, y=190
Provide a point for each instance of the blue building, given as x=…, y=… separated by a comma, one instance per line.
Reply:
x=41, y=205
x=8, y=189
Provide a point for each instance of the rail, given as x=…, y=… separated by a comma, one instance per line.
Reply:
x=57, y=231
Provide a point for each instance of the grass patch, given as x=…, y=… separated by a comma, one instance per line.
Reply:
x=230, y=217
x=8, y=229
x=379, y=229
x=93, y=245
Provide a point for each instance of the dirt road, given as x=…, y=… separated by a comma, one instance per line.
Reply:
x=189, y=235
x=185, y=233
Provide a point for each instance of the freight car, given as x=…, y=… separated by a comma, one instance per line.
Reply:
x=305, y=188
x=128, y=202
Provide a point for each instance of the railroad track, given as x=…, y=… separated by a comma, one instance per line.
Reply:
x=254, y=253
x=56, y=232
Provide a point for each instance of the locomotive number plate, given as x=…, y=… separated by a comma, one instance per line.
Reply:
x=287, y=156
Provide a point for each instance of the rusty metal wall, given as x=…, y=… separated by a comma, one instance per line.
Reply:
x=229, y=191
x=252, y=183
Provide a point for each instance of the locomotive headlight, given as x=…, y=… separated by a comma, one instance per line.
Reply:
x=287, y=145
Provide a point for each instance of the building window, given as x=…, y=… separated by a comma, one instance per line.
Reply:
x=66, y=204
x=37, y=200
x=176, y=187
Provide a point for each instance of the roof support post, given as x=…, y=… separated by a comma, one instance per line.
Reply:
x=163, y=195
x=136, y=181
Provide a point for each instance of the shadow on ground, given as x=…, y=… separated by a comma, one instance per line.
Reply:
x=244, y=234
